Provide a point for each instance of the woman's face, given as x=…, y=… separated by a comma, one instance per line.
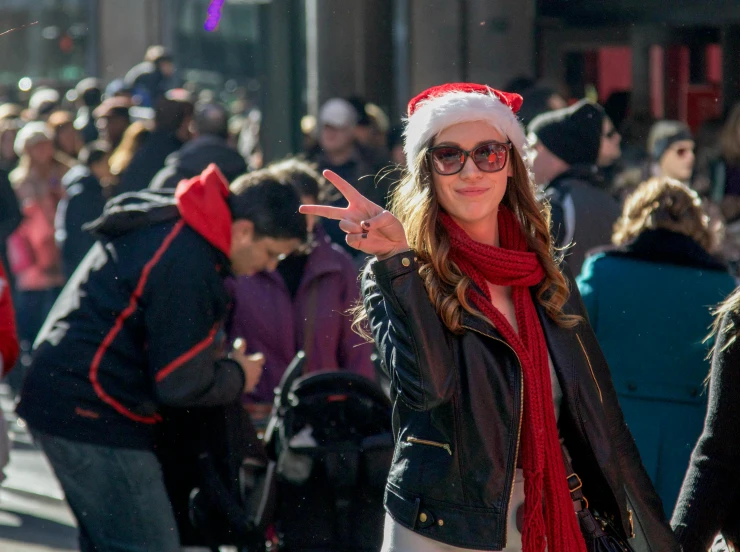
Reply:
x=471, y=197
x=41, y=153
x=68, y=140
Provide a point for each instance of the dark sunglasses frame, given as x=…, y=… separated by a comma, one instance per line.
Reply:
x=469, y=154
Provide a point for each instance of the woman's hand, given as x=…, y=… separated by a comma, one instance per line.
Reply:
x=369, y=228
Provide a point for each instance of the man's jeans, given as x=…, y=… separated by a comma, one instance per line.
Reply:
x=117, y=495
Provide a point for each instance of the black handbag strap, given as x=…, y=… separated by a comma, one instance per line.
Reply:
x=590, y=527
x=575, y=485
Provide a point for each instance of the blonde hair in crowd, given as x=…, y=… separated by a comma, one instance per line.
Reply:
x=415, y=204
x=665, y=203
x=133, y=139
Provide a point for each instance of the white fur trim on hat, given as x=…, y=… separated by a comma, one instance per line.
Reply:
x=435, y=114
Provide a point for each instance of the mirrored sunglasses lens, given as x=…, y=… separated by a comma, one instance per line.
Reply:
x=447, y=160
x=490, y=157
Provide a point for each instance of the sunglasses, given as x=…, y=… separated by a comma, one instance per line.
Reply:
x=489, y=157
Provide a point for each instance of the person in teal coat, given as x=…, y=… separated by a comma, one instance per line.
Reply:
x=649, y=299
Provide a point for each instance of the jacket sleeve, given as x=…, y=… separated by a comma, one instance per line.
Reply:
x=166, y=178
x=411, y=338
x=354, y=352
x=651, y=527
x=181, y=326
x=79, y=209
x=9, y=348
x=10, y=211
x=711, y=486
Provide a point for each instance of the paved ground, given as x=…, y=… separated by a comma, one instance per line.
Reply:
x=33, y=514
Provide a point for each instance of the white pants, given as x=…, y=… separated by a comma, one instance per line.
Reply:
x=396, y=538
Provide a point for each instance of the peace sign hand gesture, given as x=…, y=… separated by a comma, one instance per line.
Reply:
x=369, y=228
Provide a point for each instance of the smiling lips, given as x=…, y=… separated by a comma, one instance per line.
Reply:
x=471, y=191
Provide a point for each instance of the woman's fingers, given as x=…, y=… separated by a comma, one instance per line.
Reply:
x=326, y=211
x=372, y=245
x=350, y=193
x=345, y=188
x=350, y=227
x=381, y=220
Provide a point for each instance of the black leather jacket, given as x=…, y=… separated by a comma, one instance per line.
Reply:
x=457, y=418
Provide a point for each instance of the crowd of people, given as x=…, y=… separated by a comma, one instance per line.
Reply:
x=143, y=208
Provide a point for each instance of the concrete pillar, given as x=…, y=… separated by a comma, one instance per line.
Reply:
x=277, y=101
x=401, y=57
x=500, y=40
x=641, y=40
x=337, y=47
x=730, y=66
x=436, y=43
x=353, y=49
x=126, y=34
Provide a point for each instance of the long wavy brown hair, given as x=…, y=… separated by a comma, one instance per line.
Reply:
x=414, y=203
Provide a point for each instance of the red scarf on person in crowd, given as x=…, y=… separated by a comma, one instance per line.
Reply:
x=512, y=264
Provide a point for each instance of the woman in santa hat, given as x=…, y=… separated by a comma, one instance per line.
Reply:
x=496, y=376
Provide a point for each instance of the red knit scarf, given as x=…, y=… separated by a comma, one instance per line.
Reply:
x=513, y=265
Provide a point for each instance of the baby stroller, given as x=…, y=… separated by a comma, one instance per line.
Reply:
x=330, y=434
x=219, y=479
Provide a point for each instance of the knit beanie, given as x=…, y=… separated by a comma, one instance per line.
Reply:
x=449, y=104
x=664, y=134
x=32, y=133
x=573, y=133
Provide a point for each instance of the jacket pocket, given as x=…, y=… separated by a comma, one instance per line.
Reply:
x=417, y=441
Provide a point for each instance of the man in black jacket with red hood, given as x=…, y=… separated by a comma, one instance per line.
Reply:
x=137, y=327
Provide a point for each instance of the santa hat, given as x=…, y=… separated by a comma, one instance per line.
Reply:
x=440, y=107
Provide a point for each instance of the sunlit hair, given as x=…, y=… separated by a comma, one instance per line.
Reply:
x=133, y=139
x=728, y=310
x=729, y=139
x=667, y=204
x=414, y=203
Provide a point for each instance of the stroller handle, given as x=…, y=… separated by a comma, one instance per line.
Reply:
x=292, y=373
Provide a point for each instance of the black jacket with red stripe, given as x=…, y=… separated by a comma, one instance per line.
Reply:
x=136, y=326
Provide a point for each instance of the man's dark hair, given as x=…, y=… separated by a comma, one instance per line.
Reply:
x=93, y=152
x=211, y=119
x=170, y=113
x=89, y=91
x=271, y=205
x=303, y=176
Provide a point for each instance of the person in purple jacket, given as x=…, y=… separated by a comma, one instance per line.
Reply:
x=303, y=304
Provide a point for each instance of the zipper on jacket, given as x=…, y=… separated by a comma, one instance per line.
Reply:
x=632, y=523
x=519, y=427
x=601, y=399
x=430, y=443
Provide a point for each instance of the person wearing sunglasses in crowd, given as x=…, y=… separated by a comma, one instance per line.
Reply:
x=671, y=149
x=569, y=145
x=495, y=372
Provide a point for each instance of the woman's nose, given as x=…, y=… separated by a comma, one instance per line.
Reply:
x=470, y=169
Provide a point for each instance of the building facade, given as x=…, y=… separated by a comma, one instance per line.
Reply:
x=676, y=59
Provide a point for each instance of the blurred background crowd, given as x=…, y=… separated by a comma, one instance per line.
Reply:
x=632, y=112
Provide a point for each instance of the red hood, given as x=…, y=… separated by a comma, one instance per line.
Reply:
x=203, y=206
